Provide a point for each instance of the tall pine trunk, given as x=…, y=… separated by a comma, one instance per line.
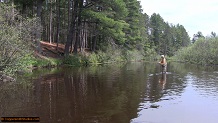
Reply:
x=72, y=29
x=39, y=8
x=50, y=23
x=58, y=23
x=78, y=25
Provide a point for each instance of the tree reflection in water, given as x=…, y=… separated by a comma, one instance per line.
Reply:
x=103, y=94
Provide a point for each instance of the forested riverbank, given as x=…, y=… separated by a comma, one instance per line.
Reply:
x=92, y=31
x=84, y=32
x=97, y=61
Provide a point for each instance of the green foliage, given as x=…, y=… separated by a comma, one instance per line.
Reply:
x=98, y=25
x=109, y=27
x=93, y=58
x=23, y=64
x=166, y=38
x=49, y=62
x=75, y=60
x=203, y=51
x=213, y=34
x=27, y=62
x=133, y=55
x=16, y=37
x=112, y=54
x=151, y=55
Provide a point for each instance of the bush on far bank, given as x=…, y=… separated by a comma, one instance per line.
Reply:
x=204, y=51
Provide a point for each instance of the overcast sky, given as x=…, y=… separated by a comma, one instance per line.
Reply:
x=194, y=15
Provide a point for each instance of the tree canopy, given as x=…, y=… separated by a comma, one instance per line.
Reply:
x=93, y=24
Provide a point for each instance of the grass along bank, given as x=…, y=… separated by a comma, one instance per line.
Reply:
x=204, y=51
x=111, y=55
x=26, y=63
x=32, y=61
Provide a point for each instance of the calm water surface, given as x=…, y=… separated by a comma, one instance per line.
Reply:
x=131, y=93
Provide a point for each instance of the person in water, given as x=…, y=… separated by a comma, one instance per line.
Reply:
x=163, y=63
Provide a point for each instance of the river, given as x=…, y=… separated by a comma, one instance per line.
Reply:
x=115, y=93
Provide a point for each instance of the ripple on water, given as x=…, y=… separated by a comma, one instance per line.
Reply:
x=204, y=83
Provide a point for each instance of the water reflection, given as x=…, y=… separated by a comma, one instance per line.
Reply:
x=188, y=96
x=107, y=94
x=163, y=80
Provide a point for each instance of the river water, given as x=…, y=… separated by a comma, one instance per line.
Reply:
x=130, y=93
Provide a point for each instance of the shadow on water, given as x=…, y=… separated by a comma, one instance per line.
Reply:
x=99, y=94
x=80, y=95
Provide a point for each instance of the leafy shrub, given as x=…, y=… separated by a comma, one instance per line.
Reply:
x=17, y=39
x=203, y=51
x=151, y=55
x=111, y=54
x=93, y=58
x=75, y=60
x=114, y=54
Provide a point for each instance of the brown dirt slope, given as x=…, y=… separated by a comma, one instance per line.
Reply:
x=51, y=50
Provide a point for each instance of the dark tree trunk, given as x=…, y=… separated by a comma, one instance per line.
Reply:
x=58, y=23
x=38, y=35
x=50, y=23
x=79, y=22
x=71, y=30
x=69, y=5
x=24, y=8
x=69, y=39
x=94, y=43
x=76, y=43
x=39, y=8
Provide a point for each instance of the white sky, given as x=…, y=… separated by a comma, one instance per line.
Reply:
x=194, y=15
